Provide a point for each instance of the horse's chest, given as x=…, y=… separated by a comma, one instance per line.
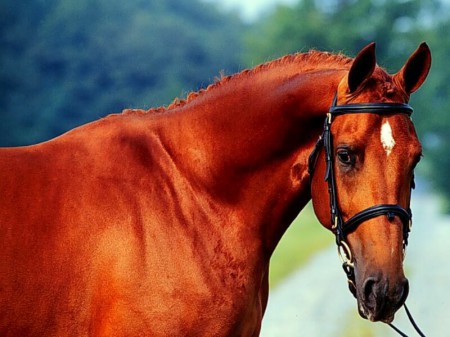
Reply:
x=181, y=306
x=214, y=298
x=201, y=287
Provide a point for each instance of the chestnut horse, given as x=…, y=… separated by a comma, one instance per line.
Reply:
x=162, y=223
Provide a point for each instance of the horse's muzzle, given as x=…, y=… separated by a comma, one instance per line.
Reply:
x=378, y=301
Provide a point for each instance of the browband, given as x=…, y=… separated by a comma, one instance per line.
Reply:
x=373, y=108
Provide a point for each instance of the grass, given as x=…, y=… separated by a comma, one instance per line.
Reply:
x=303, y=238
x=355, y=326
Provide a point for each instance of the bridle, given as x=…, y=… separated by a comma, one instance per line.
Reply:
x=340, y=227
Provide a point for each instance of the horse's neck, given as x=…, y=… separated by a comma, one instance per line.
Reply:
x=247, y=144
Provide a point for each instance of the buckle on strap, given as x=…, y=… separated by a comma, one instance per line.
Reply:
x=345, y=254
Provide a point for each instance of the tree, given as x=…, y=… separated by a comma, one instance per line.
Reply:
x=67, y=62
x=398, y=26
x=434, y=118
x=340, y=25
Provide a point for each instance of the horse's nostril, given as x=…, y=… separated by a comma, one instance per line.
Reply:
x=379, y=301
x=369, y=289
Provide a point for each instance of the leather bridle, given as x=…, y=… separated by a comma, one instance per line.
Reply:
x=340, y=227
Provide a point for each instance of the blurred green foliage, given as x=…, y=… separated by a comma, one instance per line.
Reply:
x=398, y=27
x=64, y=62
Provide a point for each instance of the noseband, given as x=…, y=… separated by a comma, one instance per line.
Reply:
x=340, y=227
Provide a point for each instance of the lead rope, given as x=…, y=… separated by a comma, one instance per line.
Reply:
x=411, y=319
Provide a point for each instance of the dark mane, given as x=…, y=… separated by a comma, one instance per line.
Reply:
x=312, y=60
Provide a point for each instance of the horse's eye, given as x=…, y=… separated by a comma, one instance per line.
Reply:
x=345, y=157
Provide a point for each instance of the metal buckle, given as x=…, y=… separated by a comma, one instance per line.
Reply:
x=335, y=224
x=328, y=118
x=345, y=254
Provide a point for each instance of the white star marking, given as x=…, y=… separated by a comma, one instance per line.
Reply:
x=387, y=140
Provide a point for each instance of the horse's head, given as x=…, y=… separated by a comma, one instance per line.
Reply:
x=373, y=149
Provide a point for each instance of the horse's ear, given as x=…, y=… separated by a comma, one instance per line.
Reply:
x=362, y=67
x=415, y=70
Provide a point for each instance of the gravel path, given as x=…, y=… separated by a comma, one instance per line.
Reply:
x=315, y=301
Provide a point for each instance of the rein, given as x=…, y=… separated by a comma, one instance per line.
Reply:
x=340, y=227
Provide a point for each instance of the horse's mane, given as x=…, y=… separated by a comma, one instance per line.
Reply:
x=312, y=60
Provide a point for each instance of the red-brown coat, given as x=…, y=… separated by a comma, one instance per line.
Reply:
x=162, y=223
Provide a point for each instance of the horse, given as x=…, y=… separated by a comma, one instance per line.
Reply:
x=162, y=222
